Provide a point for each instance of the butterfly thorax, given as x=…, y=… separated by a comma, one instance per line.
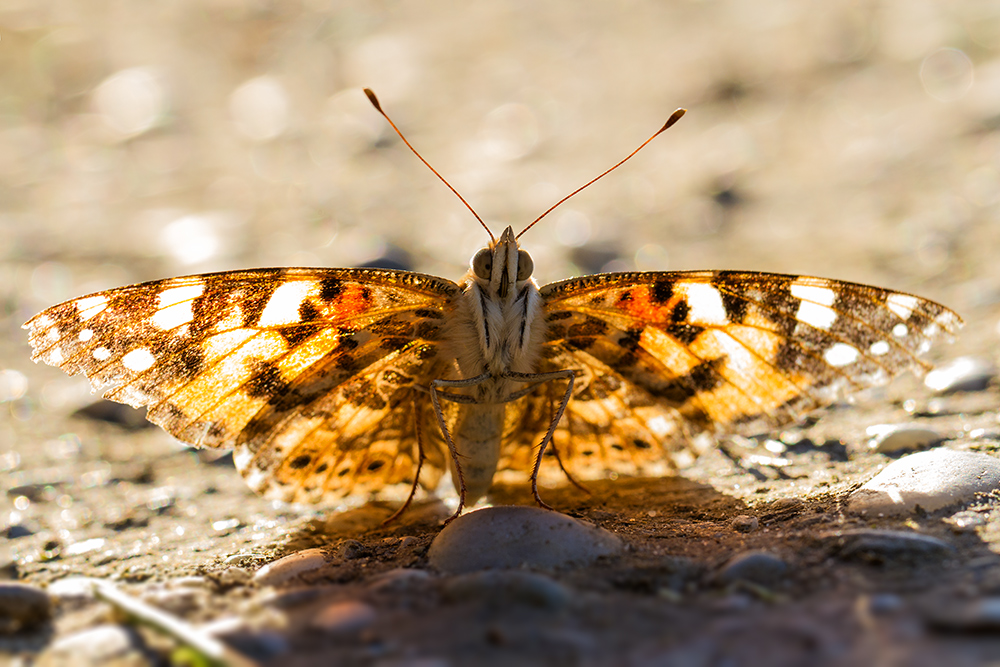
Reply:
x=498, y=329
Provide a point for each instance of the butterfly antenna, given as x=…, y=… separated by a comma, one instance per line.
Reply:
x=674, y=117
x=378, y=107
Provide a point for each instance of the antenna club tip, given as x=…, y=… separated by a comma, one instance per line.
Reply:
x=373, y=99
x=674, y=117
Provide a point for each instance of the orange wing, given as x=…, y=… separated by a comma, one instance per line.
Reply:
x=309, y=373
x=663, y=357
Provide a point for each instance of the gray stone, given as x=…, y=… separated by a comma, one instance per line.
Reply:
x=890, y=438
x=965, y=522
x=875, y=545
x=979, y=615
x=23, y=608
x=758, y=567
x=506, y=586
x=744, y=523
x=344, y=617
x=290, y=567
x=510, y=537
x=961, y=374
x=398, y=580
x=931, y=480
x=72, y=588
x=98, y=645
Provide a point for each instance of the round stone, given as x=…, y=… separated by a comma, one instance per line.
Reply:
x=515, y=536
x=99, y=645
x=929, y=480
x=507, y=586
x=22, y=608
x=889, y=438
x=344, y=617
x=289, y=567
x=744, y=523
x=881, y=546
x=961, y=374
x=757, y=567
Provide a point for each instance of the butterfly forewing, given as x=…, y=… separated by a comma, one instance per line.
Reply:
x=303, y=351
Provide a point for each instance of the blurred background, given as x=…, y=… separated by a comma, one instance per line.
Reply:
x=140, y=140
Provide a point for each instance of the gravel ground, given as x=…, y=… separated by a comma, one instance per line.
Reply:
x=849, y=140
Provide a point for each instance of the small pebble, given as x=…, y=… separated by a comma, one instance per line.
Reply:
x=890, y=438
x=513, y=536
x=744, y=523
x=235, y=576
x=344, y=617
x=979, y=615
x=350, y=550
x=23, y=608
x=961, y=374
x=965, y=522
x=179, y=601
x=875, y=545
x=72, y=588
x=930, y=480
x=757, y=567
x=882, y=604
x=506, y=586
x=289, y=567
x=99, y=645
x=398, y=580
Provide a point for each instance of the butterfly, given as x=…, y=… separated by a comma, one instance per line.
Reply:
x=337, y=384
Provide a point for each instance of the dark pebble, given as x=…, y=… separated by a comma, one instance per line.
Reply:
x=23, y=608
x=757, y=567
x=878, y=546
x=508, y=586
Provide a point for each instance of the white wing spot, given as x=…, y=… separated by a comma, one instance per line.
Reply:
x=91, y=305
x=821, y=295
x=821, y=317
x=902, y=304
x=878, y=348
x=86, y=334
x=138, y=360
x=42, y=321
x=283, y=306
x=841, y=354
x=659, y=426
x=54, y=357
x=101, y=354
x=900, y=330
x=175, y=306
x=705, y=307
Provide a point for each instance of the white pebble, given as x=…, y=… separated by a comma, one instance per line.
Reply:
x=961, y=374
x=930, y=480
x=94, y=646
x=889, y=438
x=289, y=567
x=510, y=537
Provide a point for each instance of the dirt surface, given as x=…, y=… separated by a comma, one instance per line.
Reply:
x=857, y=141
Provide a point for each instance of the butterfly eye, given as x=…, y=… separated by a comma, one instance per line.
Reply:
x=482, y=263
x=524, y=265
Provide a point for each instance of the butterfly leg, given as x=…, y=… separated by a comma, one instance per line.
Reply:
x=436, y=395
x=535, y=379
x=420, y=464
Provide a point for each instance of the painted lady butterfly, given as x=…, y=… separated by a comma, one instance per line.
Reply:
x=337, y=383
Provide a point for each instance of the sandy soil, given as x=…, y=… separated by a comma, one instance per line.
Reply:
x=849, y=141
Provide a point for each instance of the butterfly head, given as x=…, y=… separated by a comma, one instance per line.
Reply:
x=502, y=264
